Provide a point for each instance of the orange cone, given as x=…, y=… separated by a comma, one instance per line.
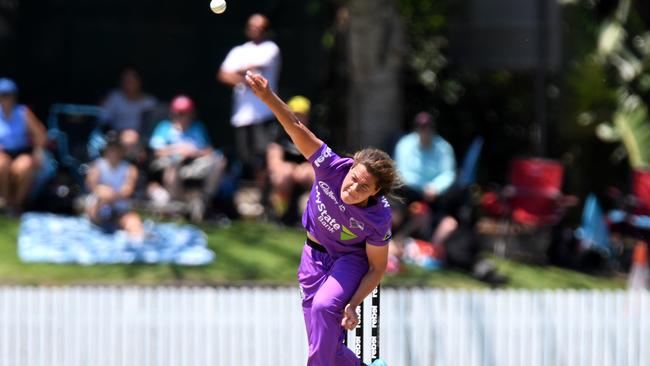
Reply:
x=639, y=275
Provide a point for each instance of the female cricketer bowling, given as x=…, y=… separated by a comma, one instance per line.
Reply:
x=348, y=222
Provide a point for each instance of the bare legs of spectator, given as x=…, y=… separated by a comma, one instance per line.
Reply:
x=23, y=169
x=208, y=169
x=284, y=176
x=282, y=185
x=303, y=174
x=102, y=195
x=16, y=177
x=129, y=222
x=446, y=226
x=5, y=177
x=172, y=182
x=217, y=165
x=132, y=224
x=279, y=178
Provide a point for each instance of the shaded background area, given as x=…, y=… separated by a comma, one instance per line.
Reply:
x=458, y=63
x=73, y=50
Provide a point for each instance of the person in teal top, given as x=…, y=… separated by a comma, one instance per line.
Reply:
x=22, y=137
x=425, y=160
x=183, y=152
x=427, y=166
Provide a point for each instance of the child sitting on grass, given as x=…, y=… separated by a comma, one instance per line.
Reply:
x=111, y=181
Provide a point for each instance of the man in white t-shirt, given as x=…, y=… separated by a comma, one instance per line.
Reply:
x=252, y=119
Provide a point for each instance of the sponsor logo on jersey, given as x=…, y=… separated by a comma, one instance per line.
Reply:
x=388, y=235
x=323, y=155
x=324, y=217
x=346, y=234
x=328, y=191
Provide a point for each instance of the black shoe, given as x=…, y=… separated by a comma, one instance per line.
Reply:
x=494, y=278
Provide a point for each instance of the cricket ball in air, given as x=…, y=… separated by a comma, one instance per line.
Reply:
x=218, y=6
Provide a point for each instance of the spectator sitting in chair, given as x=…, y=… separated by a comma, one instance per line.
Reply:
x=183, y=153
x=111, y=181
x=125, y=108
x=428, y=169
x=288, y=170
x=22, y=137
x=435, y=210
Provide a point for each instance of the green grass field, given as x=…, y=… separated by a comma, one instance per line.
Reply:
x=260, y=253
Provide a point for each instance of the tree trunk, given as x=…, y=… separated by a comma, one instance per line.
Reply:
x=375, y=44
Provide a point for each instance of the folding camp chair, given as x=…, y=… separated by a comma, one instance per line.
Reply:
x=458, y=197
x=632, y=217
x=593, y=234
x=72, y=127
x=530, y=207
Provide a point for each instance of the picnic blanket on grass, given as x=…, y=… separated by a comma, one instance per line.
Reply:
x=53, y=238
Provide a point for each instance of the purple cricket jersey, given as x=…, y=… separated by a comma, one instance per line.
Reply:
x=339, y=227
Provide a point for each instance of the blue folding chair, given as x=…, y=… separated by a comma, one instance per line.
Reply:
x=467, y=172
x=594, y=234
x=74, y=127
x=459, y=197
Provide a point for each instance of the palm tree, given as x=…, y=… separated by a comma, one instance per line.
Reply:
x=630, y=122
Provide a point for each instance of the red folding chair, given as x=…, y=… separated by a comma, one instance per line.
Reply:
x=529, y=206
x=641, y=191
x=535, y=193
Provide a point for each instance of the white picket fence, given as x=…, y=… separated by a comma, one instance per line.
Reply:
x=75, y=326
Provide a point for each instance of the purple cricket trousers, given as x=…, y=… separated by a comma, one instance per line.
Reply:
x=327, y=285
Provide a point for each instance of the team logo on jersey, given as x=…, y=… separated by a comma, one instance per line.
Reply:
x=356, y=224
x=346, y=234
x=384, y=201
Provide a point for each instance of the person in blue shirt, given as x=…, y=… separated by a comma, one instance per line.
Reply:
x=125, y=108
x=22, y=138
x=427, y=167
x=111, y=181
x=183, y=152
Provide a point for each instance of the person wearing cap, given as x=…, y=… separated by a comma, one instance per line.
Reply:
x=427, y=166
x=183, y=152
x=22, y=138
x=111, y=181
x=289, y=172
